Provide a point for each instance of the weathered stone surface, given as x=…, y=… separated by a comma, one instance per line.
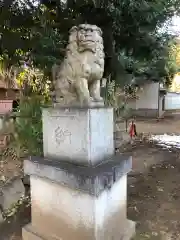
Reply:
x=88, y=217
x=82, y=136
x=1, y=217
x=78, y=77
x=91, y=179
x=11, y=193
x=29, y=233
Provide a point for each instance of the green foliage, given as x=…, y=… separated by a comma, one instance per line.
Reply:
x=35, y=95
x=28, y=127
x=116, y=98
x=47, y=42
x=175, y=52
x=26, y=132
x=33, y=80
x=130, y=31
x=7, y=74
x=162, y=68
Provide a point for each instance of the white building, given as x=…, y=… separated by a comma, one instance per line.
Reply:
x=150, y=101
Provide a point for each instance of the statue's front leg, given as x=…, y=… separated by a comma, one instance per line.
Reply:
x=83, y=91
x=95, y=91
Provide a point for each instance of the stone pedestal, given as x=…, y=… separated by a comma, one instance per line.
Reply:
x=79, y=189
x=82, y=136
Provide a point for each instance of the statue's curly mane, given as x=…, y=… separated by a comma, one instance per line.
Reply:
x=73, y=53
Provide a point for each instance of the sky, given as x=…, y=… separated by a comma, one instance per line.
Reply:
x=175, y=26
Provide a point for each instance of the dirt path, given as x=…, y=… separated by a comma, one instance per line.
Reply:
x=153, y=199
x=153, y=196
x=169, y=125
x=154, y=203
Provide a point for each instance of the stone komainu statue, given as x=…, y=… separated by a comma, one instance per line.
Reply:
x=77, y=79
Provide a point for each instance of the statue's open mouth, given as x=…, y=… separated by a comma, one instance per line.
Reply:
x=87, y=41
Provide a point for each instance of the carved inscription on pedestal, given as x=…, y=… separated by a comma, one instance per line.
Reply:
x=61, y=135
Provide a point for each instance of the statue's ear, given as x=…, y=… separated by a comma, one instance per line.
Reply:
x=73, y=29
x=73, y=34
x=100, y=31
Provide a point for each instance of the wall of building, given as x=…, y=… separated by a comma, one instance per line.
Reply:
x=2, y=94
x=6, y=106
x=148, y=97
x=172, y=101
x=147, y=103
x=9, y=94
x=6, y=100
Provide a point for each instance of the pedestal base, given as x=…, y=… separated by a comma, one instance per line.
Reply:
x=29, y=233
x=72, y=202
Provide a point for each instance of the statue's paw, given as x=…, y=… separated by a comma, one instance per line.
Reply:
x=98, y=99
x=89, y=101
x=86, y=101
